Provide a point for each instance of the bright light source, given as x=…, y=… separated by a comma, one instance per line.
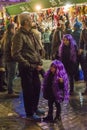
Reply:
x=66, y=7
x=38, y=7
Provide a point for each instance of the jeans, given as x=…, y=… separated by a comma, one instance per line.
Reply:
x=11, y=71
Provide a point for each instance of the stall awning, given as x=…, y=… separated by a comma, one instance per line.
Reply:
x=32, y=4
x=18, y=8
x=52, y=3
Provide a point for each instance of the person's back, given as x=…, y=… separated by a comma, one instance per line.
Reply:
x=2, y=68
x=46, y=36
x=46, y=39
x=83, y=52
x=37, y=34
x=76, y=33
x=9, y=61
x=57, y=36
x=68, y=29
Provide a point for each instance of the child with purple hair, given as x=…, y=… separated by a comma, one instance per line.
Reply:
x=68, y=55
x=55, y=89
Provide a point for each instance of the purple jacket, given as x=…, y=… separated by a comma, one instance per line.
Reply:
x=60, y=94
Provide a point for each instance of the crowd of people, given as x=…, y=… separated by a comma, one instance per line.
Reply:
x=26, y=46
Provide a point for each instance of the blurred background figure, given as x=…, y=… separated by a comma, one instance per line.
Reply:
x=2, y=63
x=47, y=45
x=83, y=52
x=67, y=53
x=9, y=61
x=57, y=37
x=76, y=35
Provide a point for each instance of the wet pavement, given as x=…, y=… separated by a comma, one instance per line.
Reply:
x=74, y=114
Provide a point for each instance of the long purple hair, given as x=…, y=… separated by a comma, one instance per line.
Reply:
x=72, y=47
x=60, y=73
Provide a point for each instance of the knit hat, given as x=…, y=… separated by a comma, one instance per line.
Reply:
x=77, y=24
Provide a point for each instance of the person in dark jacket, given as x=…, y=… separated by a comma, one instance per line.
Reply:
x=55, y=89
x=68, y=55
x=9, y=61
x=56, y=40
x=25, y=51
x=76, y=35
x=68, y=29
x=2, y=68
x=83, y=52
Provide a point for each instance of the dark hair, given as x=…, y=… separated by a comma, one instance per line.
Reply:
x=16, y=19
x=85, y=22
x=1, y=34
x=10, y=26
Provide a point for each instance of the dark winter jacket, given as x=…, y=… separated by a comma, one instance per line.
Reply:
x=76, y=36
x=2, y=63
x=83, y=39
x=25, y=48
x=7, y=47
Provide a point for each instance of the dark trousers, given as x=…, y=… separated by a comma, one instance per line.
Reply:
x=71, y=80
x=31, y=88
x=47, y=47
x=50, y=105
x=1, y=79
x=11, y=70
x=76, y=76
x=83, y=62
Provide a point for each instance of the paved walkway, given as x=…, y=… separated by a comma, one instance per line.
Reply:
x=74, y=115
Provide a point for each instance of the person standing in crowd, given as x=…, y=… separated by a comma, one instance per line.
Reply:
x=46, y=37
x=51, y=38
x=37, y=34
x=9, y=61
x=25, y=51
x=2, y=64
x=68, y=29
x=83, y=52
x=57, y=37
x=67, y=53
x=55, y=89
x=76, y=35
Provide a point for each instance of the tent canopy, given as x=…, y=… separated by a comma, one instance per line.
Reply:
x=32, y=4
x=18, y=8
x=52, y=3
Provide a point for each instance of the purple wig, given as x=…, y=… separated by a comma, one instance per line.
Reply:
x=60, y=73
x=72, y=47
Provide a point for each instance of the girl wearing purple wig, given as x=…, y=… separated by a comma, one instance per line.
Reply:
x=55, y=89
x=68, y=56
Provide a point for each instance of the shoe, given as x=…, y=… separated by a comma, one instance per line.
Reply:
x=48, y=119
x=16, y=92
x=84, y=93
x=56, y=119
x=12, y=95
x=35, y=118
x=40, y=112
x=2, y=89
